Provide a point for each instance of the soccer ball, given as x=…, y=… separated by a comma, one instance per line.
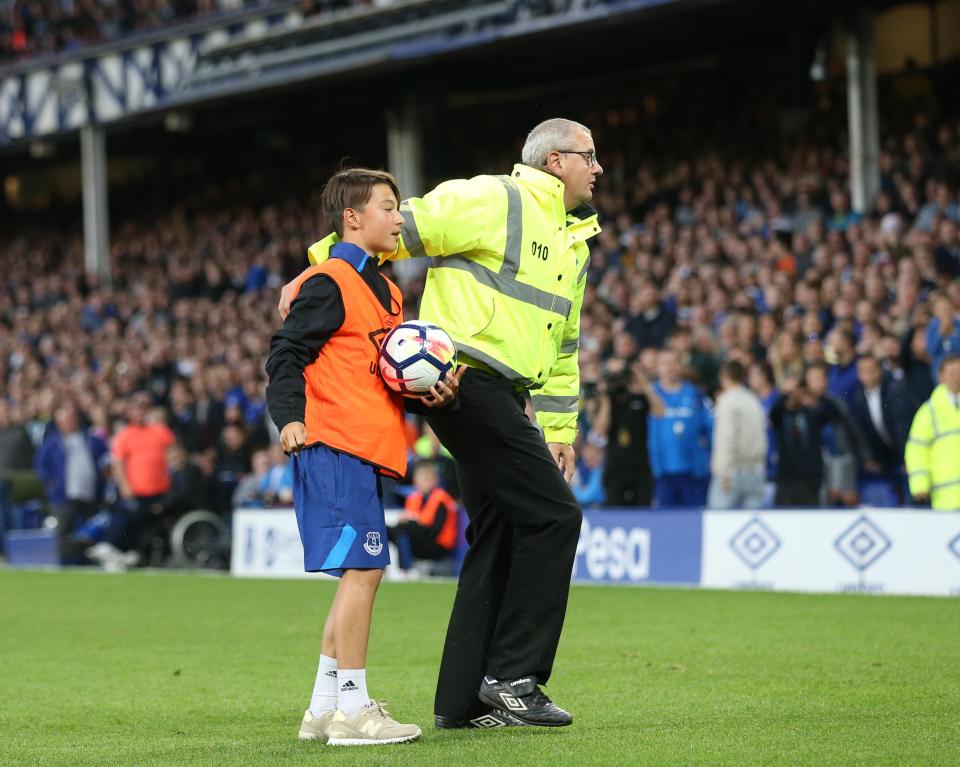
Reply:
x=415, y=355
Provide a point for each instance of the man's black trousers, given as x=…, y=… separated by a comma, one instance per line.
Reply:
x=523, y=532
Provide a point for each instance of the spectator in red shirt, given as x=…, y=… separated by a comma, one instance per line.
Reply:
x=139, y=454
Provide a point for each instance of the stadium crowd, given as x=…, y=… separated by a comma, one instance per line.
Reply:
x=709, y=255
x=30, y=28
x=713, y=254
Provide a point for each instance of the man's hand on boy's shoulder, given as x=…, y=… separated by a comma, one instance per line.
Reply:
x=292, y=437
x=445, y=391
x=284, y=306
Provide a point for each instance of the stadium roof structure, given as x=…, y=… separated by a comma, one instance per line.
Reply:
x=275, y=46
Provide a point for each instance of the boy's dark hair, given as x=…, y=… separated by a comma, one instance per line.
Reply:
x=351, y=188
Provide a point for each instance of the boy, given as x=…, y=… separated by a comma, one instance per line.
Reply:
x=344, y=429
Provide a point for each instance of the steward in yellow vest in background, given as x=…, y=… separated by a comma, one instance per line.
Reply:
x=932, y=454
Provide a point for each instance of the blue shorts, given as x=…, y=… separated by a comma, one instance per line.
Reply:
x=339, y=507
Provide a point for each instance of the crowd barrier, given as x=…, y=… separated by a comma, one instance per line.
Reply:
x=880, y=551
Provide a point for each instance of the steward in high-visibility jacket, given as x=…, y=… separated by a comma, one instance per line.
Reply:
x=508, y=268
x=932, y=453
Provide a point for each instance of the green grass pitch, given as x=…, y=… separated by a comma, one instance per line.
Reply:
x=167, y=669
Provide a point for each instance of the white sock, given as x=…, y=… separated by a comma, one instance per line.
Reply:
x=325, y=688
x=352, y=695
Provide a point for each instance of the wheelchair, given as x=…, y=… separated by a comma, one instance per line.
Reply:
x=198, y=539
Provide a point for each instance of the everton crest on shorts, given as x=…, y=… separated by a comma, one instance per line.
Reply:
x=339, y=507
x=374, y=544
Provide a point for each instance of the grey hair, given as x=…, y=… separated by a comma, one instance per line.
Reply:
x=547, y=137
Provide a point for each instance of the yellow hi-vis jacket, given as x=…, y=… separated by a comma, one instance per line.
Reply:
x=932, y=454
x=507, y=272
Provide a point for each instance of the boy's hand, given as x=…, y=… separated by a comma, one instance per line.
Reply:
x=445, y=391
x=293, y=436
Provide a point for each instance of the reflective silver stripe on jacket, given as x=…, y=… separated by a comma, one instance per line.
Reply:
x=410, y=234
x=545, y=404
x=508, y=286
x=511, y=251
x=583, y=269
x=494, y=364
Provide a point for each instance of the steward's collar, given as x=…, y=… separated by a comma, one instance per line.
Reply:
x=582, y=212
x=539, y=179
x=583, y=223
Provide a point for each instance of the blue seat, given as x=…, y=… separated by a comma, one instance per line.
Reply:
x=29, y=548
x=878, y=492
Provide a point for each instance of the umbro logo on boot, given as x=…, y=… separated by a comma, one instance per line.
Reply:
x=522, y=699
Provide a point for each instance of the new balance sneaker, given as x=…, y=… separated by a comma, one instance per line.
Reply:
x=486, y=720
x=522, y=699
x=369, y=726
x=315, y=727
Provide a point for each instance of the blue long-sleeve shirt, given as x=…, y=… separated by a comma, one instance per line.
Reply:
x=588, y=486
x=939, y=345
x=679, y=440
x=842, y=382
x=278, y=479
x=767, y=403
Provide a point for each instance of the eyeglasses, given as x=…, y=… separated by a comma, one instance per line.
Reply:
x=589, y=156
